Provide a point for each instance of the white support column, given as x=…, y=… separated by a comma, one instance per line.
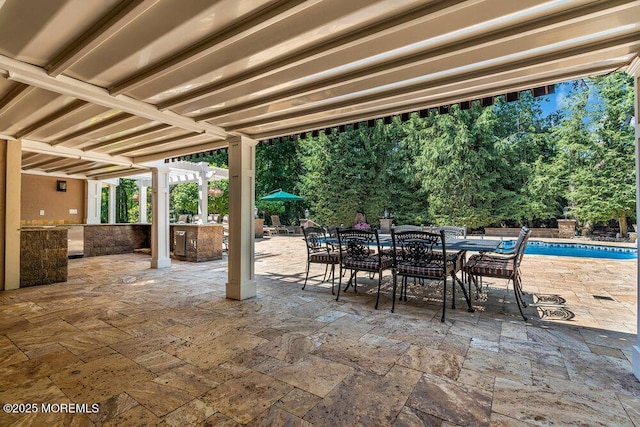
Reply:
x=11, y=242
x=160, y=220
x=112, y=204
x=93, y=198
x=242, y=159
x=142, y=201
x=634, y=70
x=203, y=195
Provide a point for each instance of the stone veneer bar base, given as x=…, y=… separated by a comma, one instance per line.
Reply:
x=111, y=239
x=43, y=256
x=203, y=241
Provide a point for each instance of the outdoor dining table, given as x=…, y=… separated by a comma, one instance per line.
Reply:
x=454, y=245
x=471, y=245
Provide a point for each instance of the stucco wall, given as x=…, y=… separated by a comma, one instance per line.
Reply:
x=39, y=193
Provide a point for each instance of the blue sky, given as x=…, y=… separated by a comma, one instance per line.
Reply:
x=556, y=99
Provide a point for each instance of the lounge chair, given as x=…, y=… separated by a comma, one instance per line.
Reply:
x=275, y=222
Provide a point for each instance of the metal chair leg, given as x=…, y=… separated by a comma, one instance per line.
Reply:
x=379, y=285
x=307, y=276
x=405, y=285
x=333, y=278
x=326, y=268
x=444, y=299
x=467, y=296
x=395, y=283
x=339, y=283
x=453, y=291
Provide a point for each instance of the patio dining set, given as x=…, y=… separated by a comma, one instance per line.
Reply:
x=438, y=254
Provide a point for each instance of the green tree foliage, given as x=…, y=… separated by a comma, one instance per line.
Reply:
x=134, y=207
x=523, y=155
x=346, y=173
x=184, y=199
x=278, y=166
x=124, y=201
x=218, y=199
x=405, y=200
x=483, y=166
x=457, y=166
x=601, y=150
x=104, y=205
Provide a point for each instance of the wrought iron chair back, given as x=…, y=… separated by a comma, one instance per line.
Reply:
x=356, y=255
x=450, y=231
x=316, y=240
x=417, y=248
x=521, y=245
x=423, y=255
x=319, y=252
x=408, y=227
x=502, y=266
x=356, y=247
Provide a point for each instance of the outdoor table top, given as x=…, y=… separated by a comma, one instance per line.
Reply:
x=472, y=245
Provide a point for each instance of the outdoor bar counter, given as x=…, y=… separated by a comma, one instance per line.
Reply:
x=44, y=249
x=111, y=239
x=43, y=255
x=196, y=242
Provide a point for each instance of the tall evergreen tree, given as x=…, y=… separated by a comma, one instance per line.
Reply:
x=523, y=155
x=405, y=200
x=604, y=183
x=346, y=173
x=457, y=169
x=278, y=166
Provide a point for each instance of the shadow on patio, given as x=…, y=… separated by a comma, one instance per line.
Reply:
x=166, y=345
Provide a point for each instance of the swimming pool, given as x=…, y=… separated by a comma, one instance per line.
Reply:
x=580, y=250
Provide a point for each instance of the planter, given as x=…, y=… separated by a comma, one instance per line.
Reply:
x=385, y=225
x=567, y=228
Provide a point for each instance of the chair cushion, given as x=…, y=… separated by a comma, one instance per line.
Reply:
x=483, y=265
x=369, y=263
x=324, y=258
x=429, y=270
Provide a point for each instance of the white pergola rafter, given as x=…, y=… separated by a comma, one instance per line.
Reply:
x=74, y=153
x=37, y=77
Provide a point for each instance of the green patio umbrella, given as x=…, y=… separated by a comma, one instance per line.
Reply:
x=281, y=196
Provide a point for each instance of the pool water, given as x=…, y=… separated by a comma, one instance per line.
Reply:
x=580, y=250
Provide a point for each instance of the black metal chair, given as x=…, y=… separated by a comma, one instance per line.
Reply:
x=356, y=254
x=501, y=267
x=320, y=252
x=423, y=255
x=454, y=232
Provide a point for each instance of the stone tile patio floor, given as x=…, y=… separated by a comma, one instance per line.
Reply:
x=164, y=347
